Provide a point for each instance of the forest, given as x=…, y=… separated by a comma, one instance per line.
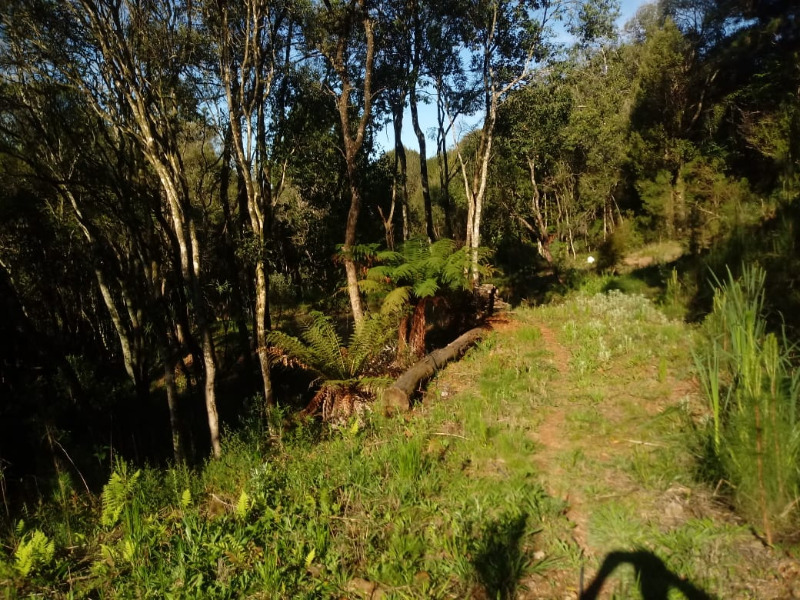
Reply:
x=211, y=257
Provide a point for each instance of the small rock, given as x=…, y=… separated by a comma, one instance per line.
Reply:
x=539, y=555
x=360, y=586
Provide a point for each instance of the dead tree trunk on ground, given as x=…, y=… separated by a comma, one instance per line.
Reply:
x=398, y=396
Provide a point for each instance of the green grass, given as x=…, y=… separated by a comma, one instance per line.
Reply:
x=461, y=498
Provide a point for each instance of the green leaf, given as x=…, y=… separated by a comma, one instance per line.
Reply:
x=34, y=551
x=426, y=288
x=116, y=494
x=396, y=300
x=242, y=505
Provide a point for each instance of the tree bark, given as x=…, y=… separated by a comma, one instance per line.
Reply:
x=400, y=164
x=352, y=144
x=423, y=164
x=247, y=79
x=423, y=153
x=398, y=396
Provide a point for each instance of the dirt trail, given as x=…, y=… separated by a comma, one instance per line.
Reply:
x=611, y=442
x=553, y=441
x=604, y=449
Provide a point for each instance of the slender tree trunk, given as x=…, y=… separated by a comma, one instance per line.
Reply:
x=444, y=169
x=352, y=143
x=172, y=403
x=237, y=302
x=401, y=164
x=423, y=164
x=247, y=80
x=423, y=153
x=351, y=271
x=262, y=329
x=536, y=204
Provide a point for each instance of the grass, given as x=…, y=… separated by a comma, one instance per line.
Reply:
x=562, y=442
x=754, y=396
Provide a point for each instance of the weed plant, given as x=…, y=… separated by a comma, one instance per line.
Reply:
x=753, y=437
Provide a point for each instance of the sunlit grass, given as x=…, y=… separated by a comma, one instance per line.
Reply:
x=447, y=501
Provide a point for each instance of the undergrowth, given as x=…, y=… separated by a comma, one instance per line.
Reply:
x=447, y=501
x=441, y=503
x=753, y=389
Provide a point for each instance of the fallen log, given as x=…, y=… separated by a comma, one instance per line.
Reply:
x=397, y=397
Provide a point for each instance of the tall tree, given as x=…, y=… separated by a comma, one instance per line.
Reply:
x=251, y=42
x=344, y=33
x=503, y=38
x=132, y=63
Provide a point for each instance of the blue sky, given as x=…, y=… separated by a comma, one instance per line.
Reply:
x=427, y=112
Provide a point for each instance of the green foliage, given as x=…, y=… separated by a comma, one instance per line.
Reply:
x=321, y=349
x=621, y=241
x=117, y=493
x=34, y=552
x=419, y=270
x=753, y=391
x=341, y=371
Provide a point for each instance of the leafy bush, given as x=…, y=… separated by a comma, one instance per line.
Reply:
x=616, y=245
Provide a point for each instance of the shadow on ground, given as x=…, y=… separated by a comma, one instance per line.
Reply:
x=499, y=560
x=654, y=579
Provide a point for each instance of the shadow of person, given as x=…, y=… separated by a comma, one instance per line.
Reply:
x=499, y=561
x=655, y=580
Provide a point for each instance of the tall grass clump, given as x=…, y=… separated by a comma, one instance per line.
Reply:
x=753, y=390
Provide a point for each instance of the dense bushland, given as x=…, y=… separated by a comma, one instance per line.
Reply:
x=201, y=238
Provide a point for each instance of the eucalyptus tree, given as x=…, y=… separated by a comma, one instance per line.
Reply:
x=504, y=40
x=251, y=40
x=531, y=131
x=419, y=12
x=343, y=33
x=132, y=63
x=393, y=76
x=99, y=177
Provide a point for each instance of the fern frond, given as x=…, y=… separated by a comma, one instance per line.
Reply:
x=396, y=300
x=389, y=257
x=290, y=351
x=380, y=273
x=34, y=551
x=323, y=341
x=426, y=288
x=116, y=494
x=366, y=343
x=359, y=252
x=371, y=286
x=242, y=505
x=442, y=248
x=406, y=271
x=415, y=250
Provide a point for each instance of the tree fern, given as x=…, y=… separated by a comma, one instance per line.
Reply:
x=341, y=369
x=366, y=343
x=426, y=288
x=325, y=344
x=396, y=300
